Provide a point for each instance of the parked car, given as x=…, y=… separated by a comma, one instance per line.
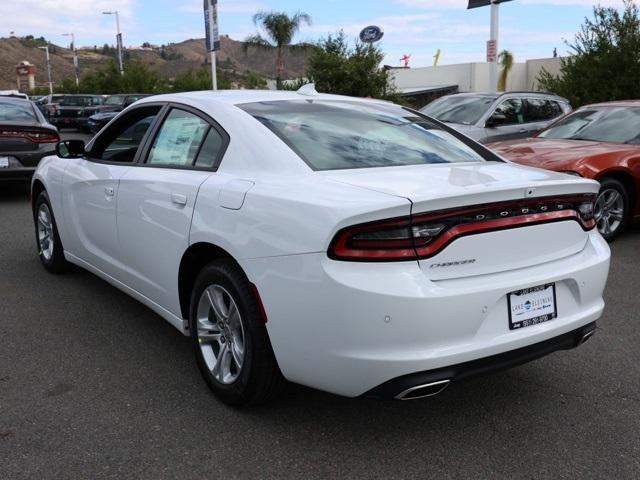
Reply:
x=111, y=107
x=14, y=94
x=490, y=117
x=25, y=137
x=73, y=111
x=351, y=245
x=600, y=142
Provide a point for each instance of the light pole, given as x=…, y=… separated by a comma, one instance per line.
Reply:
x=75, y=55
x=118, y=38
x=46, y=49
x=493, y=39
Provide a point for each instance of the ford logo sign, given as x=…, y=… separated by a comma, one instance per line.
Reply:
x=371, y=34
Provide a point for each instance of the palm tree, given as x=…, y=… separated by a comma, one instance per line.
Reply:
x=506, y=64
x=280, y=29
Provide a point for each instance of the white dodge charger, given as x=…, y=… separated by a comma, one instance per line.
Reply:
x=351, y=245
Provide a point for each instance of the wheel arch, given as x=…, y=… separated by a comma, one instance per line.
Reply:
x=626, y=179
x=37, y=187
x=193, y=260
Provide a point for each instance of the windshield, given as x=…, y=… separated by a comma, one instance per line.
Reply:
x=17, y=112
x=600, y=124
x=114, y=100
x=342, y=134
x=466, y=109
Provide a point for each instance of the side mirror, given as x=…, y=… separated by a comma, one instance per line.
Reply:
x=496, y=119
x=70, y=149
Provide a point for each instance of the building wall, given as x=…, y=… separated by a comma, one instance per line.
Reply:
x=473, y=77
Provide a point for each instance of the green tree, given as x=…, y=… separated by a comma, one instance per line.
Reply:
x=605, y=60
x=194, y=80
x=506, y=64
x=280, y=29
x=255, y=81
x=335, y=67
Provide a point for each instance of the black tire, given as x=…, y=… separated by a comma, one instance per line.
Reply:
x=259, y=379
x=611, y=229
x=55, y=262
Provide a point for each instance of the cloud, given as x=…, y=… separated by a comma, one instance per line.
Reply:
x=55, y=17
x=236, y=6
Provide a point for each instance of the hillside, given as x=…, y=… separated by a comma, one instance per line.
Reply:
x=168, y=61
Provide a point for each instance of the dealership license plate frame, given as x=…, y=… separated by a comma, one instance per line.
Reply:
x=4, y=162
x=538, y=313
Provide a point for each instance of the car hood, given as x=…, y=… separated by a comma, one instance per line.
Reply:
x=468, y=130
x=556, y=154
x=439, y=186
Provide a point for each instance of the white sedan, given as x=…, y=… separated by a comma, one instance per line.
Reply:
x=351, y=245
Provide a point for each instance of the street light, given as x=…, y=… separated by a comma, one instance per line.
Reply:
x=46, y=49
x=118, y=38
x=75, y=55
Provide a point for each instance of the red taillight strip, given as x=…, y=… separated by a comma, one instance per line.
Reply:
x=32, y=135
x=344, y=247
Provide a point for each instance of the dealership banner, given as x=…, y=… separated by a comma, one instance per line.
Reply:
x=211, y=25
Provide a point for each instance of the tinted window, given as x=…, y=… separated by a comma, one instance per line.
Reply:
x=120, y=142
x=512, y=110
x=178, y=140
x=114, y=100
x=344, y=134
x=539, y=110
x=210, y=149
x=602, y=124
x=466, y=110
x=17, y=112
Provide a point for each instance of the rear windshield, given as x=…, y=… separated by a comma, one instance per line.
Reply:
x=17, y=112
x=330, y=134
x=466, y=109
x=115, y=100
x=600, y=124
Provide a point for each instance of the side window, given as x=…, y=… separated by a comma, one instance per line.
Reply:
x=210, y=149
x=179, y=139
x=120, y=142
x=512, y=111
x=539, y=110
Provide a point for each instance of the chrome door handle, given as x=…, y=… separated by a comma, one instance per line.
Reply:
x=522, y=130
x=179, y=199
x=109, y=191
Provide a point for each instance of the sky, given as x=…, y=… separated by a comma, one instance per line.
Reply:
x=528, y=28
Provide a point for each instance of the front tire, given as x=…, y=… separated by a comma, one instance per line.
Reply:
x=230, y=338
x=50, y=249
x=612, y=208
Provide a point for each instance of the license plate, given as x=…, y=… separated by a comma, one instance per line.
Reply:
x=531, y=306
x=4, y=162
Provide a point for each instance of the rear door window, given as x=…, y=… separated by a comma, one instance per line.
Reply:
x=179, y=140
x=540, y=110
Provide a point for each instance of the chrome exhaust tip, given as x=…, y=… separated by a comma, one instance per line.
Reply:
x=422, y=391
x=586, y=336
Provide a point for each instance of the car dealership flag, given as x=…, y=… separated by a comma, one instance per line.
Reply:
x=211, y=25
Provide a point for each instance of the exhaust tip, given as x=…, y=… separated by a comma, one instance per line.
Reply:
x=422, y=391
x=586, y=336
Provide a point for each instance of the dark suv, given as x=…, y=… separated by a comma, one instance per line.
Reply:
x=72, y=111
x=112, y=105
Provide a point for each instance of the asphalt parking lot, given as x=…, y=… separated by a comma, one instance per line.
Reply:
x=95, y=385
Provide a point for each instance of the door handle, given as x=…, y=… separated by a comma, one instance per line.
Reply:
x=523, y=130
x=179, y=199
x=109, y=191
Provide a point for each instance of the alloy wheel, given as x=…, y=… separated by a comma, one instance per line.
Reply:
x=220, y=334
x=45, y=231
x=609, y=211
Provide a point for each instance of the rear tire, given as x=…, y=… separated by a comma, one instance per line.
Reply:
x=230, y=338
x=50, y=249
x=612, y=211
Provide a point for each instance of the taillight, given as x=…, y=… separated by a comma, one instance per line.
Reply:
x=36, y=136
x=426, y=234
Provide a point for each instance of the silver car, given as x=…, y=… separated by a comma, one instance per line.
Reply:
x=490, y=117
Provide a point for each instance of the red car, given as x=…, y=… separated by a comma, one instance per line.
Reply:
x=601, y=142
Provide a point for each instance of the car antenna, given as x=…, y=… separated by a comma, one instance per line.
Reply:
x=308, y=89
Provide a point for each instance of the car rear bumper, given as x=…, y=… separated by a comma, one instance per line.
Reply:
x=423, y=384
x=23, y=164
x=348, y=327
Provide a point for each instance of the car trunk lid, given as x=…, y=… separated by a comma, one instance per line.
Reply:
x=500, y=214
